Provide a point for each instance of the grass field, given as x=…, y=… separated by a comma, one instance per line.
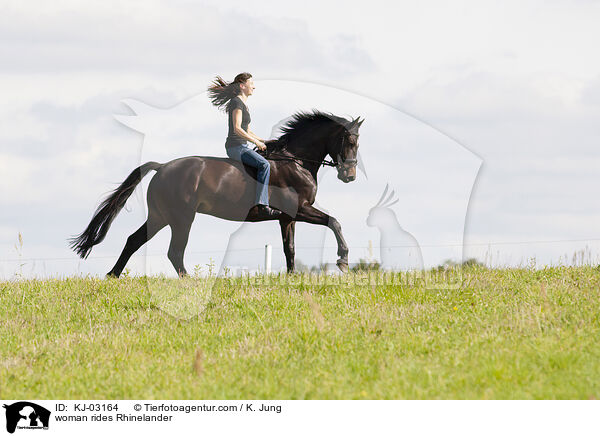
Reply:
x=505, y=334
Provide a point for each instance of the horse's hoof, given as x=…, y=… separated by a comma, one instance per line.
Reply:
x=111, y=275
x=342, y=265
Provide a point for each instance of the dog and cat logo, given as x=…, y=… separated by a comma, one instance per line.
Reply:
x=26, y=415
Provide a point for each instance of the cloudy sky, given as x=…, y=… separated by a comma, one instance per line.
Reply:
x=515, y=83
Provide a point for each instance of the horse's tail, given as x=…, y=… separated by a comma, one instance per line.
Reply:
x=108, y=210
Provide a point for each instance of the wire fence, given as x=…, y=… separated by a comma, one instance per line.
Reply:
x=300, y=247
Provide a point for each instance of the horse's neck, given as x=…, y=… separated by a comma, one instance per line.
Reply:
x=313, y=152
x=309, y=146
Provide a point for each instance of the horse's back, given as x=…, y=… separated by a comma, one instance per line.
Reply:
x=199, y=161
x=202, y=183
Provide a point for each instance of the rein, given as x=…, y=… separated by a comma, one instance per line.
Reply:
x=298, y=160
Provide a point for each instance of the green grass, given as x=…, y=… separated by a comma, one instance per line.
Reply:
x=505, y=334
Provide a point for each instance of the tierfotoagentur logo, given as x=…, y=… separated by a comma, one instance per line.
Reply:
x=382, y=176
x=25, y=415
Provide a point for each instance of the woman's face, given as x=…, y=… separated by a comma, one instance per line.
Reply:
x=247, y=87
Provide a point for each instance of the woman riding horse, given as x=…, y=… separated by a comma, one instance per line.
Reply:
x=234, y=96
x=224, y=188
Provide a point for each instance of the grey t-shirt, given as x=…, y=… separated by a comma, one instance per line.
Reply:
x=232, y=138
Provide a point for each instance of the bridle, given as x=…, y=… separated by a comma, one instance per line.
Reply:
x=346, y=164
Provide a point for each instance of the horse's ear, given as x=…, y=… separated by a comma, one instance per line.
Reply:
x=138, y=108
x=141, y=111
x=352, y=124
x=355, y=123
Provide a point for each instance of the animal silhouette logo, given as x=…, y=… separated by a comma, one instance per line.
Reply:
x=26, y=415
x=436, y=175
x=398, y=249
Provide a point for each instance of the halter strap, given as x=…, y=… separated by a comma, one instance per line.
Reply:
x=298, y=160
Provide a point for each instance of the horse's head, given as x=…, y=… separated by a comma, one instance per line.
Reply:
x=313, y=136
x=344, y=150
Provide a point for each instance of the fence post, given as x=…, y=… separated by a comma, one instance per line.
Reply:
x=268, y=250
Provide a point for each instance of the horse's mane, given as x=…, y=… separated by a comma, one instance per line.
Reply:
x=302, y=122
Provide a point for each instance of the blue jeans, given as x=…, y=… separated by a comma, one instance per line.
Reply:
x=245, y=154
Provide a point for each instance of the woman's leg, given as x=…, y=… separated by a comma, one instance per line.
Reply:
x=252, y=158
x=235, y=152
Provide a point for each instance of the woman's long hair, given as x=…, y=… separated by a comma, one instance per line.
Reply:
x=220, y=92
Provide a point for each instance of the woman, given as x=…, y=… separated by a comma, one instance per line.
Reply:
x=233, y=97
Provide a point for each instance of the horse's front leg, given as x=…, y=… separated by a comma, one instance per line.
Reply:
x=288, y=228
x=309, y=214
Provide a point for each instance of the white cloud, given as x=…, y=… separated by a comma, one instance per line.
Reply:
x=517, y=82
x=539, y=143
x=166, y=40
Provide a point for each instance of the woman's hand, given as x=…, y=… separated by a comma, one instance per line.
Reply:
x=260, y=145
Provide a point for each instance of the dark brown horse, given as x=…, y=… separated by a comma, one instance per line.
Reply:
x=226, y=189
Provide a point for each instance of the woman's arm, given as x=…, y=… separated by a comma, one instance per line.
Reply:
x=237, y=128
x=251, y=133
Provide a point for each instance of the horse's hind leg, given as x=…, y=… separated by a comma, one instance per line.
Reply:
x=136, y=240
x=180, y=232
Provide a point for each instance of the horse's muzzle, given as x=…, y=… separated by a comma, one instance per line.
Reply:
x=346, y=169
x=345, y=177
